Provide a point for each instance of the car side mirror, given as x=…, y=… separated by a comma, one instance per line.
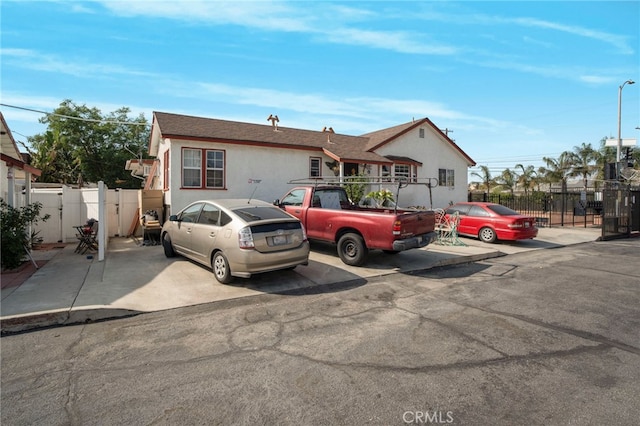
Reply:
x=174, y=218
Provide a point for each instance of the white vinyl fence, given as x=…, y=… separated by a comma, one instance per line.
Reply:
x=69, y=207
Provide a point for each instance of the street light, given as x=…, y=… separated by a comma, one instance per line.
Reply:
x=619, y=118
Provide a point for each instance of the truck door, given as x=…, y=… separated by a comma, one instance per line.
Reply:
x=293, y=202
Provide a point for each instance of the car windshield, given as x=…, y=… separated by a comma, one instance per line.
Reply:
x=502, y=210
x=252, y=214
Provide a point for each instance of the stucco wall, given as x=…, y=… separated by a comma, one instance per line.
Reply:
x=244, y=166
x=434, y=153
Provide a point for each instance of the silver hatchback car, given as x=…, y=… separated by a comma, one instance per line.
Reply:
x=236, y=237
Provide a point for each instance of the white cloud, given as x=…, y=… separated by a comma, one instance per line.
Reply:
x=33, y=60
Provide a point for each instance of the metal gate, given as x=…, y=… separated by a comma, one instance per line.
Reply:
x=621, y=211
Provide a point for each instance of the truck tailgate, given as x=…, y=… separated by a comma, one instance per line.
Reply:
x=416, y=223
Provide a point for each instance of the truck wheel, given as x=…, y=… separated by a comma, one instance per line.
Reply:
x=352, y=250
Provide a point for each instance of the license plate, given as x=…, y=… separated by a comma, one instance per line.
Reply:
x=279, y=240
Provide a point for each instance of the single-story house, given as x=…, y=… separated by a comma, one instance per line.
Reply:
x=201, y=158
x=15, y=174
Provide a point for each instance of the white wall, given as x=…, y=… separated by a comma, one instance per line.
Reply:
x=273, y=167
x=434, y=153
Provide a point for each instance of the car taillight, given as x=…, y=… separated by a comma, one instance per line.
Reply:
x=397, y=227
x=245, y=238
x=304, y=233
x=516, y=225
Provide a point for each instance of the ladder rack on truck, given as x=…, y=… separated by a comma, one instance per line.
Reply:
x=399, y=181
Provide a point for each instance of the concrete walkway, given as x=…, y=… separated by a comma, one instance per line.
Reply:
x=72, y=288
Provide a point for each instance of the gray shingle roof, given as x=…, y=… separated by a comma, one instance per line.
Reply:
x=342, y=147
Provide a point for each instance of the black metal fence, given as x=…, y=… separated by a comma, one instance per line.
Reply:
x=615, y=208
x=621, y=212
x=553, y=208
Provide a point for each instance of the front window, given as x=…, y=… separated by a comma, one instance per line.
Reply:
x=401, y=170
x=192, y=168
x=215, y=169
x=406, y=171
x=203, y=168
x=446, y=177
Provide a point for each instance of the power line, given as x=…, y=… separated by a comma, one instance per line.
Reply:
x=92, y=120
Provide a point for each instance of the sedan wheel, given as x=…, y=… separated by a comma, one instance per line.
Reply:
x=167, y=246
x=487, y=235
x=221, y=268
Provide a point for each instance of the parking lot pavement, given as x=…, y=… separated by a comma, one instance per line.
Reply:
x=542, y=337
x=72, y=288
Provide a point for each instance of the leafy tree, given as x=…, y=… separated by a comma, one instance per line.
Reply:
x=486, y=180
x=83, y=145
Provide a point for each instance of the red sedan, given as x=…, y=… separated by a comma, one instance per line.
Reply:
x=490, y=222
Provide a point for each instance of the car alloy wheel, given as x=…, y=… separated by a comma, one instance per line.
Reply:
x=487, y=235
x=221, y=269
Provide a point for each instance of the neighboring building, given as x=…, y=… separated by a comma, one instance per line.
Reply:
x=209, y=158
x=15, y=174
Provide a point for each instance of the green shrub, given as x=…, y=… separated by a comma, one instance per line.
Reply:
x=354, y=185
x=14, y=224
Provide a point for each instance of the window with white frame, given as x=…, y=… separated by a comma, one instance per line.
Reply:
x=402, y=170
x=195, y=171
x=191, y=168
x=215, y=169
x=405, y=170
x=314, y=167
x=446, y=177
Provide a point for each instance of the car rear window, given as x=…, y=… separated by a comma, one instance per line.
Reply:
x=502, y=210
x=252, y=214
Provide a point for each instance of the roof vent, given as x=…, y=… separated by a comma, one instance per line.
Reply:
x=274, y=121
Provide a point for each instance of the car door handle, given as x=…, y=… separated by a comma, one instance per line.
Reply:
x=297, y=211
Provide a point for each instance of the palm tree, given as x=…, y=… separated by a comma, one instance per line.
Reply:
x=508, y=179
x=558, y=170
x=485, y=178
x=527, y=177
x=584, y=161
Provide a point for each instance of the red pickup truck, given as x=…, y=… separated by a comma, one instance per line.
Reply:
x=329, y=216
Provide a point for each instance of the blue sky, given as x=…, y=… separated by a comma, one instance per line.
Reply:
x=515, y=81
